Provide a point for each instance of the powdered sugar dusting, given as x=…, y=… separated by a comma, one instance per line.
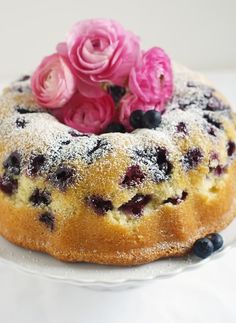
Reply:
x=42, y=133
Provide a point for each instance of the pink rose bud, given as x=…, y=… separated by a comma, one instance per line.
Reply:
x=53, y=82
x=152, y=80
x=101, y=51
x=88, y=115
x=128, y=104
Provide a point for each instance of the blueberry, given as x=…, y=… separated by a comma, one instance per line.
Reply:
x=212, y=121
x=192, y=158
x=35, y=164
x=214, y=156
x=133, y=176
x=115, y=127
x=24, y=78
x=217, y=240
x=176, y=199
x=191, y=84
x=63, y=177
x=231, y=148
x=157, y=160
x=100, y=205
x=151, y=119
x=8, y=184
x=65, y=142
x=208, y=93
x=116, y=92
x=181, y=127
x=136, y=205
x=98, y=149
x=163, y=163
x=40, y=197
x=21, y=110
x=203, y=248
x=212, y=131
x=136, y=119
x=21, y=123
x=75, y=133
x=48, y=219
x=218, y=170
x=13, y=163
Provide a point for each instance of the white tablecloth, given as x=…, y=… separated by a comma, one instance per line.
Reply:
x=207, y=294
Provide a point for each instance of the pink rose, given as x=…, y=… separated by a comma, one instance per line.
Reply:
x=152, y=80
x=128, y=104
x=87, y=115
x=85, y=88
x=53, y=82
x=101, y=51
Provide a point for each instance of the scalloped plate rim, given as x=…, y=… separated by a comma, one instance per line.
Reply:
x=187, y=265
x=85, y=282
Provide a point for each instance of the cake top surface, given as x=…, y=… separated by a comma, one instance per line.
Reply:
x=194, y=106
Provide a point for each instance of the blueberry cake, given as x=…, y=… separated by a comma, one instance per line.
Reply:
x=117, y=198
x=120, y=197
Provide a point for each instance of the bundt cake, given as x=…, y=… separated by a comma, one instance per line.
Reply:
x=145, y=183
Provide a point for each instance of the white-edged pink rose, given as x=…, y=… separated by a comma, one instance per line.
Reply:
x=53, y=83
x=100, y=50
x=88, y=115
x=128, y=104
x=152, y=80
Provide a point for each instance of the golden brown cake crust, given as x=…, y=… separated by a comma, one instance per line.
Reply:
x=191, y=201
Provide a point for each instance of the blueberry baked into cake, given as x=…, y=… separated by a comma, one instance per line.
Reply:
x=114, y=155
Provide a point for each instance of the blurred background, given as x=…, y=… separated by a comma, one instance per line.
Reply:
x=198, y=33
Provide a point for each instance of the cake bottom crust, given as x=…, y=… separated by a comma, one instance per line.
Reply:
x=131, y=257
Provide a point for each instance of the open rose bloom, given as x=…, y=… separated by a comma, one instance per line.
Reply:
x=53, y=83
x=87, y=115
x=101, y=50
x=152, y=80
x=95, y=55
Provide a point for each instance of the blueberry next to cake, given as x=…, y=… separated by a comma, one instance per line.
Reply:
x=113, y=154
